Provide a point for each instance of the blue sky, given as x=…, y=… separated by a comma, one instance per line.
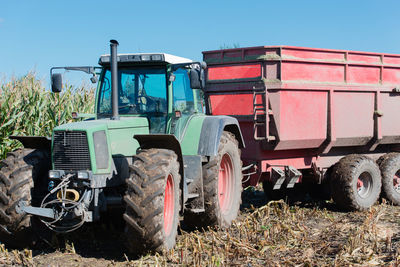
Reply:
x=36, y=35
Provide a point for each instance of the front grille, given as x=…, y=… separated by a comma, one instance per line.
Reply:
x=71, y=151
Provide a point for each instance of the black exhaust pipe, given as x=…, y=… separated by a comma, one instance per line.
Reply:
x=114, y=79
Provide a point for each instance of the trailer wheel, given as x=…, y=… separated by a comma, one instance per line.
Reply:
x=222, y=183
x=152, y=201
x=356, y=182
x=390, y=170
x=18, y=173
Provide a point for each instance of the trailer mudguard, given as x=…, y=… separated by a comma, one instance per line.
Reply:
x=34, y=142
x=211, y=132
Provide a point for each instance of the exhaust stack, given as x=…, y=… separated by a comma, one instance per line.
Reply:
x=114, y=79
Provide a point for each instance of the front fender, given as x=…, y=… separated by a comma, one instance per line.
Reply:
x=34, y=142
x=166, y=141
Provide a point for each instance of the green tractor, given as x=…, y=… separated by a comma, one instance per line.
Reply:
x=149, y=150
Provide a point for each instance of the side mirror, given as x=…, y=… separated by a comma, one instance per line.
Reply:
x=194, y=76
x=56, y=82
x=197, y=77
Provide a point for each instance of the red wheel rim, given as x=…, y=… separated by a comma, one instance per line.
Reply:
x=396, y=181
x=225, y=183
x=169, y=205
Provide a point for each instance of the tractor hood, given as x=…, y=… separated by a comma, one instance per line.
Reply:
x=102, y=124
x=106, y=139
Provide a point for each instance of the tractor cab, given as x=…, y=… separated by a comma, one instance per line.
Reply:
x=156, y=86
x=164, y=88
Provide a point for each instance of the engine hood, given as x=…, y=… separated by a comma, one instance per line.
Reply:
x=102, y=124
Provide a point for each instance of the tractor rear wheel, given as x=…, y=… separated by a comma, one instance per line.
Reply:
x=19, y=172
x=222, y=184
x=152, y=201
x=390, y=170
x=355, y=182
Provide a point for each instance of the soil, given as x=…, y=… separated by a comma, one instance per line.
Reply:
x=298, y=231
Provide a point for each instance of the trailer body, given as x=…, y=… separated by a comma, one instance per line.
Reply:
x=305, y=108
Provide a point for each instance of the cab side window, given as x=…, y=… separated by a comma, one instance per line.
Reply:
x=186, y=100
x=183, y=95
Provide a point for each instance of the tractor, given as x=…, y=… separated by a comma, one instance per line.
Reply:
x=150, y=150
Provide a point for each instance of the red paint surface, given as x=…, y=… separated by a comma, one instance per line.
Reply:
x=234, y=72
x=169, y=205
x=312, y=72
x=390, y=107
x=363, y=74
x=225, y=184
x=354, y=114
x=307, y=54
x=302, y=118
x=392, y=60
x=233, y=104
x=391, y=76
x=364, y=58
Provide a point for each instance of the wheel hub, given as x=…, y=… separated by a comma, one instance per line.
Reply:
x=396, y=181
x=364, y=185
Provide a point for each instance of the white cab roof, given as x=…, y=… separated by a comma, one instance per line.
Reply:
x=171, y=59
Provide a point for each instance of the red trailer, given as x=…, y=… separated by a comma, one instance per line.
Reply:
x=320, y=114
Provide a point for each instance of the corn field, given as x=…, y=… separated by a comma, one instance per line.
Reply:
x=27, y=108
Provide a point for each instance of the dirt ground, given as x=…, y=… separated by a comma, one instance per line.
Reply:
x=293, y=233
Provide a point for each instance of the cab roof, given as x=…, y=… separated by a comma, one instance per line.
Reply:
x=145, y=58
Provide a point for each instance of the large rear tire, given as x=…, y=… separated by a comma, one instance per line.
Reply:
x=356, y=182
x=152, y=201
x=222, y=184
x=18, y=173
x=390, y=170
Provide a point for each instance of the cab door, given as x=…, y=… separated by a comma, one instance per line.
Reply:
x=186, y=102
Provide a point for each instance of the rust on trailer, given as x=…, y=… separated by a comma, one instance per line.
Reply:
x=317, y=101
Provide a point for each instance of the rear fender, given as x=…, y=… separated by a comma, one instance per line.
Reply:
x=211, y=132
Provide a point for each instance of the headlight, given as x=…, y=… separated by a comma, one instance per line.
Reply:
x=83, y=175
x=101, y=149
x=55, y=174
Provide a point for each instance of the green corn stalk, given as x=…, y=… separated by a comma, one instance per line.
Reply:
x=27, y=108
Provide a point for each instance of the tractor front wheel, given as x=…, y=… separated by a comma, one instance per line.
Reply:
x=19, y=173
x=152, y=201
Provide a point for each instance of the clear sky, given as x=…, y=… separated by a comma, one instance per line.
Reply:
x=36, y=35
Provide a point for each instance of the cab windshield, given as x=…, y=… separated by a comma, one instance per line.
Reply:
x=140, y=91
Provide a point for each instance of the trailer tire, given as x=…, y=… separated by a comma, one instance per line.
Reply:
x=18, y=173
x=356, y=182
x=222, y=176
x=152, y=201
x=390, y=170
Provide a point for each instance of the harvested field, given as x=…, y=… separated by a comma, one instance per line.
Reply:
x=306, y=233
